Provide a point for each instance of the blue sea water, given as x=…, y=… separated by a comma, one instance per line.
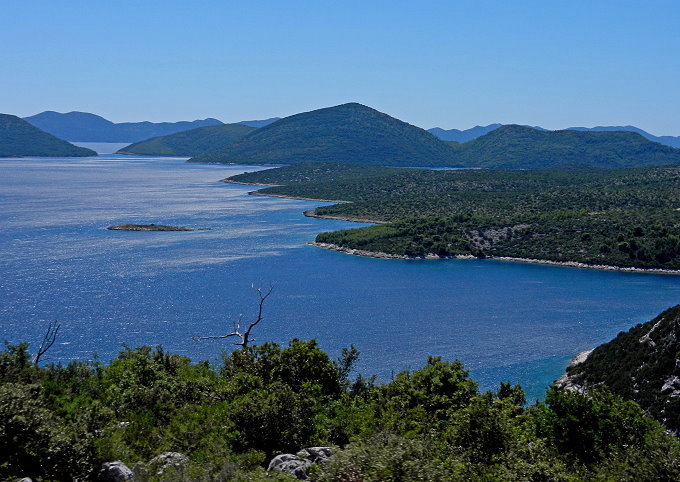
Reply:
x=505, y=321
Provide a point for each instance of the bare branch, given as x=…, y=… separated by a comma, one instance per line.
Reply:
x=49, y=338
x=245, y=336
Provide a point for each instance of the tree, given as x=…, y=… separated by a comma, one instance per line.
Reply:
x=244, y=337
x=48, y=340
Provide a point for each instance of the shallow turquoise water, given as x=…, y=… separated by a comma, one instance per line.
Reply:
x=505, y=321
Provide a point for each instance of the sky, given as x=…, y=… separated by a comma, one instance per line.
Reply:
x=451, y=64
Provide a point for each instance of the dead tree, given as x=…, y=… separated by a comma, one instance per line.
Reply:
x=49, y=338
x=243, y=337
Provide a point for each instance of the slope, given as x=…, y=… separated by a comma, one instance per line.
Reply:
x=642, y=364
x=519, y=147
x=351, y=133
x=189, y=143
x=19, y=138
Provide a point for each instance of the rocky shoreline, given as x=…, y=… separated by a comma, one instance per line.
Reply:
x=569, y=264
x=568, y=382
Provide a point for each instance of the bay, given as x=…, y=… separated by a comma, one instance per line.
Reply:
x=505, y=321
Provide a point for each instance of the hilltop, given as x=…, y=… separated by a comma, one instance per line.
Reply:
x=190, y=143
x=18, y=138
x=520, y=147
x=466, y=135
x=642, y=364
x=352, y=133
x=86, y=127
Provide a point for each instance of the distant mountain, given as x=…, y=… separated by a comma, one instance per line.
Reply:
x=189, y=143
x=455, y=135
x=18, y=138
x=519, y=147
x=85, y=127
x=673, y=141
x=352, y=133
x=259, y=123
x=642, y=364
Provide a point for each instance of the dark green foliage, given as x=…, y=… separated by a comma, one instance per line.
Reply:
x=350, y=133
x=357, y=134
x=521, y=147
x=189, y=143
x=18, y=138
x=626, y=217
x=61, y=422
x=638, y=363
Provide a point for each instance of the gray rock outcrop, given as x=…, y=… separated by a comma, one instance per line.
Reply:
x=115, y=472
x=297, y=465
x=162, y=462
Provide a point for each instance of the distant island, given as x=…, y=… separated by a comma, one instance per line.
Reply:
x=86, y=127
x=18, y=138
x=149, y=227
x=190, y=143
x=357, y=134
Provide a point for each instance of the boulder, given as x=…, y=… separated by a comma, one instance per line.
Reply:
x=115, y=472
x=298, y=464
x=161, y=462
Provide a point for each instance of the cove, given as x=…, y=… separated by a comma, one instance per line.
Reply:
x=505, y=321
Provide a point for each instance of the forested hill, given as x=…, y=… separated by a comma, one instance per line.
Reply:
x=642, y=364
x=86, y=127
x=19, y=138
x=354, y=133
x=350, y=133
x=520, y=147
x=190, y=143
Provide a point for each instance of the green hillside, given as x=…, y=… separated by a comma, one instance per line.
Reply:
x=350, y=133
x=520, y=147
x=617, y=217
x=357, y=134
x=189, y=143
x=640, y=364
x=18, y=138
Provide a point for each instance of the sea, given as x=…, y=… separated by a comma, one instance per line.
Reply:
x=506, y=321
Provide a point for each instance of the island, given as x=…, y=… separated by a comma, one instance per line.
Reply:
x=150, y=227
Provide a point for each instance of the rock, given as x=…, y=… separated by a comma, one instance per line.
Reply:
x=26, y=479
x=115, y=472
x=279, y=459
x=316, y=455
x=168, y=459
x=297, y=465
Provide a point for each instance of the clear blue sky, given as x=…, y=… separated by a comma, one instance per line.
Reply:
x=430, y=63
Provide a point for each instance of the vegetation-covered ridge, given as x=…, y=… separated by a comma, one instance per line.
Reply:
x=624, y=218
x=358, y=134
x=62, y=422
x=351, y=133
x=18, y=138
x=189, y=143
x=642, y=364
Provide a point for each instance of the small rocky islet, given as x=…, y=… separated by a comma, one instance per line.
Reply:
x=150, y=227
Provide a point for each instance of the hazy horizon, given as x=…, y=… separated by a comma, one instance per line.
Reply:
x=432, y=64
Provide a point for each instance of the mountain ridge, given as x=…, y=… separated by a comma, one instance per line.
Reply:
x=350, y=132
x=86, y=127
x=189, y=143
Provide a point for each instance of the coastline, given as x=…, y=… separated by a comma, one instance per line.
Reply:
x=378, y=254
x=567, y=264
